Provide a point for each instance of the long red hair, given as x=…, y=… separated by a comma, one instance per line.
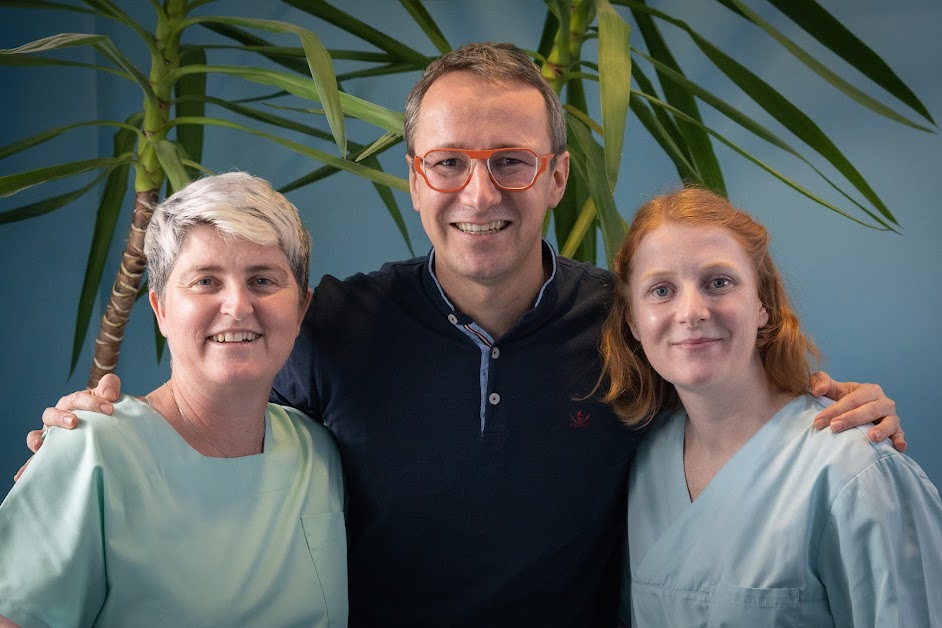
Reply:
x=635, y=390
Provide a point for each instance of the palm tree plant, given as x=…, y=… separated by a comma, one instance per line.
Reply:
x=173, y=87
x=585, y=47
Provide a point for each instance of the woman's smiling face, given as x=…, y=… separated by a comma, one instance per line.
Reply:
x=231, y=309
x=694, y=306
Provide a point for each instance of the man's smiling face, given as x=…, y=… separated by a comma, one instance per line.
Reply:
x=484, y=235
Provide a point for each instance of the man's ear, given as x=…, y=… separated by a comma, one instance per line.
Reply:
x=413, y=183
x=559, y=177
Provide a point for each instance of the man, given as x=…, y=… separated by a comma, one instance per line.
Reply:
x=486, y=486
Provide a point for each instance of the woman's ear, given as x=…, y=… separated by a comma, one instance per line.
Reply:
x=158, y=311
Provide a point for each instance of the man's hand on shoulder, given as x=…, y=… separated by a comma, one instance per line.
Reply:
x=858, y=404
x=98, y=400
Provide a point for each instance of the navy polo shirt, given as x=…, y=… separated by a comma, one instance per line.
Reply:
x=483, y=487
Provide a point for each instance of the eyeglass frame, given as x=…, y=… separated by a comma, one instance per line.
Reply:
x=418, y=164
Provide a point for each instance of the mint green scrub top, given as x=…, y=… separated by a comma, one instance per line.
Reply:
x=121, y=523
x=800, y=528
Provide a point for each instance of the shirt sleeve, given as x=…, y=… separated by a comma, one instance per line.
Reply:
x=52, y=567
x=880, y=557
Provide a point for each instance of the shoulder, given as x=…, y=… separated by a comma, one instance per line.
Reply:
x=390, y=274
x=850, y=458
x=584, y=276
x=130, y=417
x=305, y=428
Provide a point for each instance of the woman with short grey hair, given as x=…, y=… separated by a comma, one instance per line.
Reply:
x=199, y=503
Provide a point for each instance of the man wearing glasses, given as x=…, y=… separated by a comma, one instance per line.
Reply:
x=485, y=488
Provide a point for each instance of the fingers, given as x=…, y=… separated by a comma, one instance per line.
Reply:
x=899, y=442
x=34, y=440
x=109, y=387
x=22, y=469
x=860, y=403
x=820, y=383
x=81, y=400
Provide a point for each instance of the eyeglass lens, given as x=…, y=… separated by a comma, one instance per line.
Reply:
x=511, y=169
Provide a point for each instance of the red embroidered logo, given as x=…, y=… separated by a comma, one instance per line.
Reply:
x=579, y=420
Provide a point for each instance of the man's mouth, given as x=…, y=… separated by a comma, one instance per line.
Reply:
x=482, y=228
x=238, y=336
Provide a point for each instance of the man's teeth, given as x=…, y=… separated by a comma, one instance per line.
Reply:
x=487, y=227
x=239, y=336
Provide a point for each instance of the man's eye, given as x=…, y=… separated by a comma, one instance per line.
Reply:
x=448, y=163
x=263, y=281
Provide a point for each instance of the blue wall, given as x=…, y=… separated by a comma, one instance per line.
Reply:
x=866, y=297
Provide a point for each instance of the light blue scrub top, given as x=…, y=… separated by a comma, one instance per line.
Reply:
x=800, y=528
x=121, y=523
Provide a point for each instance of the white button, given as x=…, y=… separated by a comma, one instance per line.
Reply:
x=452, y=319
x=494, y=399
x=495, y=352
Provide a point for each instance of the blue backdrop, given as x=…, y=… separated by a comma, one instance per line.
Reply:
x=866, y=297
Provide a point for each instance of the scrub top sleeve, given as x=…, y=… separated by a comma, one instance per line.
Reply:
x=880, y=556
x=52, y=569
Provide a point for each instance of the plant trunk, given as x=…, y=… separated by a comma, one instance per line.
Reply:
x=124, y=292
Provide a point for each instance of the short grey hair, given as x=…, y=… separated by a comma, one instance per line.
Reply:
x=238, y=205
x=496, y=62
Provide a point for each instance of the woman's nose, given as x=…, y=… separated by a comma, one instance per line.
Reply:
x=237, y=302
x=692, y=308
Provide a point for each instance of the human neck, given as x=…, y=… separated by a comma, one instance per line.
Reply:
x=496, y=305
x=217, y=423
x=720, y=423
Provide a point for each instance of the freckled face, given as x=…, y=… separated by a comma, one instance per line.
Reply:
x=695, y=307
x=482, y=234
x=231, y=310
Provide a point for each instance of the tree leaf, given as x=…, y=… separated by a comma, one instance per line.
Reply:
x=588, y=158
x=55, y=42
x=776, y=141
x=338, y=162
x=299, y=86
x=190, y=100
x=614, y=83
x=695, y=143
x=389, y=200
x=382, y=143
x=170, y=161
x=783, y=111
x=821, y=70
x=12, y=183
x=50, y=204
x=45, y=136
x=427, y=24
x=319, y=62
x=332, y=15
x=828, y=31
x=45, y=5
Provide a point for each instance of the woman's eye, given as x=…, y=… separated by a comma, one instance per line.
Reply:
x=720, y=282
x=660, y=291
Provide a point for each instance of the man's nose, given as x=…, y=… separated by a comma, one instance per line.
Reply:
x=481, y=191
